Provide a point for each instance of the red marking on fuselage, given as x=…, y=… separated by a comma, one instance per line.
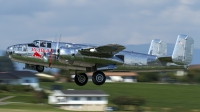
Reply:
x=37, y=55
x=40, y=50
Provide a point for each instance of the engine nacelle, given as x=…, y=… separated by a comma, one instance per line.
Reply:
x=38, y=68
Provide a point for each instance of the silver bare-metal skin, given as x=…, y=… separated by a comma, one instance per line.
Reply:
x=112, y=57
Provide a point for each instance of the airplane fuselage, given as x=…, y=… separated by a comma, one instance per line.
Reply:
x=70, y=58
x=111, y=57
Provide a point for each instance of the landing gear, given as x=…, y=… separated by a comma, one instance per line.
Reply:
x=98, y=78
x=81, y=79
x=39, y=68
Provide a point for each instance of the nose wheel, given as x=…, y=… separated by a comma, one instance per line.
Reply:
x=98, y=78
x=81, y=79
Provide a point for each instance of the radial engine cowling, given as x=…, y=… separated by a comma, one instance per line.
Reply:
x=67, y=54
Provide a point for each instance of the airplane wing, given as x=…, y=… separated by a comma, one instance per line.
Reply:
x=106, y=51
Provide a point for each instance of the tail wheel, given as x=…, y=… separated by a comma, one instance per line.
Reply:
x=81, y=79
x=98, y=78
x=39, y=68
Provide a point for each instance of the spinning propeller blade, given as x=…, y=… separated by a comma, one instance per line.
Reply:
x=50, y=58
x=57, y=53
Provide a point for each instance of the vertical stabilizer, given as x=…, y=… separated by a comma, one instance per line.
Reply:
x=158, y=48
x=183, y=51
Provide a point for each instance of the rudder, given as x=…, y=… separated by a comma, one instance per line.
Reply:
x=183, y=51
x=158, y=48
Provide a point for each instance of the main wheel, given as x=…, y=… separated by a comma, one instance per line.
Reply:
x=39, y=68
x=98, y=78
x=81, y=79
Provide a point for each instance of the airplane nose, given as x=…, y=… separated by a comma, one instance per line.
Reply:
x=9, y=50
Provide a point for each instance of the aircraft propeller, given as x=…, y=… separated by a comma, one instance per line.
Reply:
x=50, y=58
x=57, y=47
x=57, y=53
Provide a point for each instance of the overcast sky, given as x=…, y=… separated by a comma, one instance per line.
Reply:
x=98, y=21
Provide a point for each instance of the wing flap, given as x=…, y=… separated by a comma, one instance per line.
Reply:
x=96, y=54
x=165, y=59
x=110, y=48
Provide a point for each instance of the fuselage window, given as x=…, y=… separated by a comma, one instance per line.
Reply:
x=48, y=45
x=19, y=48
x=24, y=48
x=14, y=48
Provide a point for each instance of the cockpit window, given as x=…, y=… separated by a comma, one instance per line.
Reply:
x=37, y=43
x=43, y=44
x=40, y=43
x=32, y=45
x=67, y=45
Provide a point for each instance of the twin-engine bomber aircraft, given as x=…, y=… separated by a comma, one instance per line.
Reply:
x=112, y=57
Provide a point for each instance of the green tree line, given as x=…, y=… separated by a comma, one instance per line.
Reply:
x=191, y=76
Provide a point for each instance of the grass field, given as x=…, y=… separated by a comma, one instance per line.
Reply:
x=3, y=95
x=23, y=107
x=26, y=107
x=159, y=97
x=18, y=97
x=174, y=96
